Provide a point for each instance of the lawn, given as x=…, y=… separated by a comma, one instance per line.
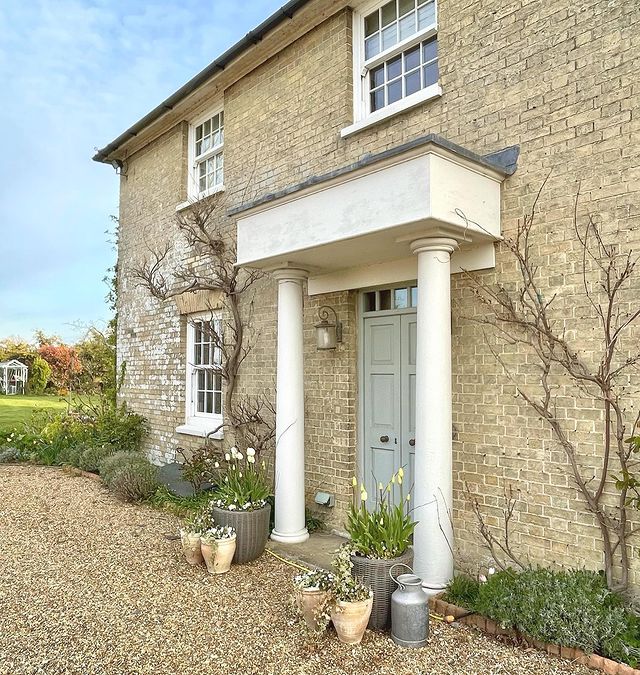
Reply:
x=16, y=409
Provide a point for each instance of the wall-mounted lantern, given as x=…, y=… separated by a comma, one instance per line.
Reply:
x=328, y=334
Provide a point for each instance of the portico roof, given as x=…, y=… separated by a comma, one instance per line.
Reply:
x=368, y=213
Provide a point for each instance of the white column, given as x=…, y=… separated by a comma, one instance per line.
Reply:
x=289, y=473
x=433, y=538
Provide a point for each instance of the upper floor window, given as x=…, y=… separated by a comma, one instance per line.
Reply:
x=207, y=155
x=395, y=58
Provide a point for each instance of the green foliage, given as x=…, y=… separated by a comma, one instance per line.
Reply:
x=97, y=355
x=39, y=374
x=385, y=531
x=201, y=465
x=177, y=505
x=129, y=475
x=91, y=456
x=346, y=588
x=463, y=591
x=626, y=647
x=314, y=522
x=242, y=484
x=570, y=608
x=9, y=455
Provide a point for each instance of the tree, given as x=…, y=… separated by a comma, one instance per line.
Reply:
x=64, y=363
x=522, y=316
x=39, y=374
x=97, y=356
x=16, y=348
x=202, y=227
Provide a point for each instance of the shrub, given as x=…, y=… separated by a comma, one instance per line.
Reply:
x=571, y=608
x=118, y=426
x=626, y=647
x=463, y=591
x=90, y=457
x=8, y=455
x=39, y=374
x=129, y=475
x=135, y=482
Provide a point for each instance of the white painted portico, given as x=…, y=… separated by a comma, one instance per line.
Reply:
x=423, y=211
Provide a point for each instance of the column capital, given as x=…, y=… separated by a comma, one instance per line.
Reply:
x=424, y=244
x=290, y=273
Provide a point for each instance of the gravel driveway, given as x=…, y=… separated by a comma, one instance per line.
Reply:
x=88, y=585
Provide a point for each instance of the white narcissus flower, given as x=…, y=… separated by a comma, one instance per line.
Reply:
x=227, y=456
x=239, y=455
x=492, y=570
x=234, y=452
x=251, y=459
x=251, y=452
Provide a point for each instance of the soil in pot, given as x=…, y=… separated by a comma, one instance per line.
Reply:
x=350, y=620
x=374, y=572
x=252, y=530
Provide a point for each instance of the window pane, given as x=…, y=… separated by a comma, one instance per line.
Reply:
x=431, y=74
x=200, y=402
x=394, y=68
x=377, y=76
x=206, y=128
x=198, y=148
x=217, y=403
x=429, y=50
x=406, y=6
x=400, y=298
x=371, y=23
x=209, y=402
x=377, y=99
x=414, y=296
x=388, y=13
x=389, y=36
x=370, y=302
x=372, y=46
x=385, y=299
x=412, y=59
x=407, y=26
x=394, y=91
x=412, y=83
x=426, y=15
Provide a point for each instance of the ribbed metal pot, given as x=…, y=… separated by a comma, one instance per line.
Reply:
x=375, y=573
x=252, y=530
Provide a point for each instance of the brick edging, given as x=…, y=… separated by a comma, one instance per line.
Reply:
x=595, y=661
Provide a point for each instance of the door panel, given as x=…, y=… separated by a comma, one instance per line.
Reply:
x=382, y=416
x=408, y=377
x=389, y=400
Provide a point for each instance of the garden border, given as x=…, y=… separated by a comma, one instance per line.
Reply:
x=594, y=661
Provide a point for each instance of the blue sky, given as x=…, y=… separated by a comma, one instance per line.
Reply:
x=73, y=75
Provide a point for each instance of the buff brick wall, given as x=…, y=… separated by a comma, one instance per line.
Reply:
x=557, y=80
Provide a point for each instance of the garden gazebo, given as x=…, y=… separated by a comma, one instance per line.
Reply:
x=13, y=377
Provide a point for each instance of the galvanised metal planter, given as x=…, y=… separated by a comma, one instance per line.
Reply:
x=374, y=572
x=252, y=530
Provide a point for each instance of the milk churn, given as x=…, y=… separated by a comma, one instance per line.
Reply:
x=409, y=611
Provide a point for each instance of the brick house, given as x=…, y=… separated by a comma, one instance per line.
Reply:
x=349, y=139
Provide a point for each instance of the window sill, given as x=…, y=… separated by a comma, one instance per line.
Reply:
x=428, y=94
x=203, y=195
x=200, y=430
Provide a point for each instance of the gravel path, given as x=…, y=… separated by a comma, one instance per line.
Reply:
x=88, y=585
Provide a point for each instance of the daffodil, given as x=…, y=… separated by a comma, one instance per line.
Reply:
x=363, y=495
x=354, y=481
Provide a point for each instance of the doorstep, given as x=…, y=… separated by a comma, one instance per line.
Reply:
x=317, y=551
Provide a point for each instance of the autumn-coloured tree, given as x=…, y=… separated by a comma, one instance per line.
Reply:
x=64, y=362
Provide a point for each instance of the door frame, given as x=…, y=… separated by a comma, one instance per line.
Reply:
x=361, y=315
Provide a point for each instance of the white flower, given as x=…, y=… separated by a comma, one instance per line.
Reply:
x=234, y=452
x=251, y=452
x=240, y=474
x=227, y=456
x=239, y=455
x=251, y=460
x=482, y=579
x=217, y=465
x=492, y=570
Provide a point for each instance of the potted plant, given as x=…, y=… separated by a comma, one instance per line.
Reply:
x=240, y=502
x=191, y=534
x=380, y=538
x=218, y=545
x=313, y=592
x=351, y=600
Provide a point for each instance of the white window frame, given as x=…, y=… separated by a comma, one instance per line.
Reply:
x=362, y=115
x=199, y=423
x=193, y=190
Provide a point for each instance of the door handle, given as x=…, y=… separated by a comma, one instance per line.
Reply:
x=412, y=442
x=384, y=439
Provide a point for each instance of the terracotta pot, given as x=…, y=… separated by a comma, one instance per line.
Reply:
x=208, y=550
x=252, y=530
x=310, y=602
x=350, y=620
x=225, y=548
x=191, y=547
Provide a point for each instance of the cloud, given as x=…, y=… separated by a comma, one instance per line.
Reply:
x=75, y=74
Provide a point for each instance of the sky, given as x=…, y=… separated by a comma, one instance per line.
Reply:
x=74, y=74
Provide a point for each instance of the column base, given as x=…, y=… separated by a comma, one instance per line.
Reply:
x=292, y=538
